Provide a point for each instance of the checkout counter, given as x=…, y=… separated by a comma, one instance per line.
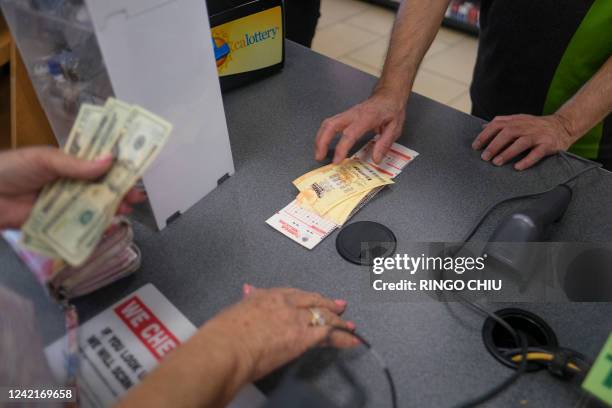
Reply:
x=434, y=350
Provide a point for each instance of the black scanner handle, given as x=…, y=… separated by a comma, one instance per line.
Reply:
x=529, y=224
x=550, y=207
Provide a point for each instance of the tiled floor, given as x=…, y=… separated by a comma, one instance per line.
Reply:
x=357, y=33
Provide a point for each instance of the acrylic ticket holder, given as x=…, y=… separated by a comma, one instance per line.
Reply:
x=157, y=54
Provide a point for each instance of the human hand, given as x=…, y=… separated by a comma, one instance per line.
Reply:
x=271, y=327
x=24, y=172
x=505, y=137
x=383, y=113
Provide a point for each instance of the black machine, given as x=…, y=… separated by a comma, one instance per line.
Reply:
x=531, y=222
x=509, y=244
x=248, y=39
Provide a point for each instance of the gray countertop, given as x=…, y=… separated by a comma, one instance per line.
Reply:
x=434, y=350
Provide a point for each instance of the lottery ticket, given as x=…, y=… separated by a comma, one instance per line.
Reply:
x=305, y=227
x=324, y=188
x=394, y=161
x=301, y=223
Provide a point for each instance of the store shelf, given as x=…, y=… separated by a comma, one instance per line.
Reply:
x=460, y=25
x=461, y=15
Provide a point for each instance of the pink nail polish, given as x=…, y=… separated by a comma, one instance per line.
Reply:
x=246, y=288
x=350, y=325
x=341, y=302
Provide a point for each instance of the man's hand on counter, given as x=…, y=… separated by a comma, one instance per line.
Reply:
x=505, y=137
x=382, y=113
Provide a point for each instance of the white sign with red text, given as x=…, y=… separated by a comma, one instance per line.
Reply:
x=118, y=347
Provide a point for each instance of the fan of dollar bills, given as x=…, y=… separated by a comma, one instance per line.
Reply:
x=70, y=217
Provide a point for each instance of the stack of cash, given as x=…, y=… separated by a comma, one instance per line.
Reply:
x=70, y=217
x=329, y=196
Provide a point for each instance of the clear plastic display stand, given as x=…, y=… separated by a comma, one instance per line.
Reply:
x=155, y=53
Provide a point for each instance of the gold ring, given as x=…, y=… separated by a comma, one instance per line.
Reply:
x=317, y=317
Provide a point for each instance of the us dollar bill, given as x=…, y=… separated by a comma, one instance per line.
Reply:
x=82, y=134
x=104, y=141
x=30, y=242
x=78, y=222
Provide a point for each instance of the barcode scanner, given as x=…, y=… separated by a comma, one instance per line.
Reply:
x=531, y=223
x=509, y=244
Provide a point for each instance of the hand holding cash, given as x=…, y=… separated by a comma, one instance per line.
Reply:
x=117, y=143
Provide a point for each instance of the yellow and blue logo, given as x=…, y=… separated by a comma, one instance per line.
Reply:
x=221, y=49
x=248, y=43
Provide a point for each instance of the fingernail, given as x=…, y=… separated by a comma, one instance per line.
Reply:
x=356, y=341
x=498, y=161
x=246, y=289
x=341, y=302
x=475, y=145
x=105, y=158
x=350, y=325
x=486, y=156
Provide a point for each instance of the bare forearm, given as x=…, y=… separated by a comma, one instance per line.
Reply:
x=415, y=28
x=204, y=372
x=591, y=104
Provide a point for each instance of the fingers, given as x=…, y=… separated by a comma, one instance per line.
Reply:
x=490, y=130
x=532, y=158
x=135, y=196
x=331, y=318
x=247, y=289
x=508, y=136
x=329, y=335
x=336, y=331
x=303, y=299
x=59, y=164
x=519, y=146
x=124, y=209
x=309, y=299
x=328, y=130
x=343, y=339
x=499, y=142
x=384, y=143
x=350, y=136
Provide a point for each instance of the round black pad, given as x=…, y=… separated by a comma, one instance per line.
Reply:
x=361, y=242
